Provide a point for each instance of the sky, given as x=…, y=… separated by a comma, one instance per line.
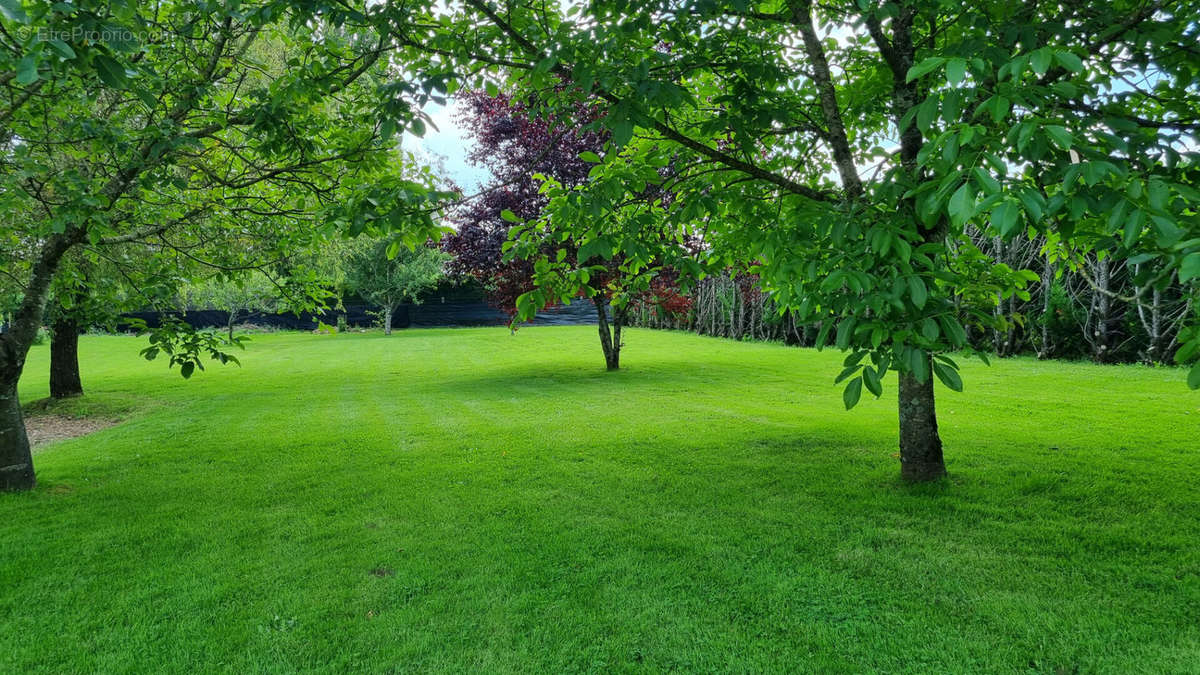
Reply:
x=447, y=143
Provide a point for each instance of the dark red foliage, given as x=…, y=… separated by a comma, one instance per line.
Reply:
x=667, y=297
x=514, y=145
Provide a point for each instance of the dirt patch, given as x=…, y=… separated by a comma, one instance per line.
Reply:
x=46, y=429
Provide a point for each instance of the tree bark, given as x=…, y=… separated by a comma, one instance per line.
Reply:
x=65, y=381
x=618, y=322
x=920, y=445
x=1047, y=349
x=16, y=461
x=387, y=321
x=611, y=347
x=1102, y=307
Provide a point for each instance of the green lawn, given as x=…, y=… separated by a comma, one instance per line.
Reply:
x=455, y=500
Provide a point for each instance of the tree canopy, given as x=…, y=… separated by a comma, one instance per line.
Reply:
x=388, y=275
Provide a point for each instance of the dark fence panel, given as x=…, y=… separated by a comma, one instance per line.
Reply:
x=427, y=315
x=436, y=314
x=356, y=315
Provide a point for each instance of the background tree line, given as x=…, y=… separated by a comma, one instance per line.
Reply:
x=1097, y=312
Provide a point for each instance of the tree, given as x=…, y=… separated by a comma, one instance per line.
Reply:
x=532, y=159
x=181, y=123
x=68, y=314
x=238, y=297
x=627, y=249
x=842, y=149
x=386, y=274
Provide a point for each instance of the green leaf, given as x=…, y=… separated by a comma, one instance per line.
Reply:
x=509, y=216
x=962, y=205
x=589, y=250
x=64, y=50
x=1069, y=61
x=918, y=364
x=929, y=329
x=927, y=66
x=845, y=332
x=847, y=372
x=1133, y=228
x=1190, y=268
x=1059, y=136
x=949, y=376
x=1041, y=60
x=927, y=113
x=918, y=292
x=27, y=70
x=111, y=72
x=871, y=380
x=985, y=180
x=852, y=393
x=956, y=69
x=854, y=358
x=186, y=369
x=1194, y=376
x=953, y=330
x=589, y=156
x=13, y=11
x=1004, y=218
x=1169, y=232
x=1158, y=193
x=622, y=132
x=1000, y=107
x=1031, y=200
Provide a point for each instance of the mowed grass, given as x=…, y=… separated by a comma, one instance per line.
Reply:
x=468, y=500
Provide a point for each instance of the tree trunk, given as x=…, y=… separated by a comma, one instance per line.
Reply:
x=387, y=321
x=618, y=322
x=920, y=446
x=64, y=359
x=1153, y=325
x=1047, y=349
x=229, y=325
x=998, y=312
x=612, y=352
x=16, y=461
x=1103, y=307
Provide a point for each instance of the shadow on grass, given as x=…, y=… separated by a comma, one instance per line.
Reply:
x=677, y=374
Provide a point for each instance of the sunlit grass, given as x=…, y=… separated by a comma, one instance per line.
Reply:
x=469, y=500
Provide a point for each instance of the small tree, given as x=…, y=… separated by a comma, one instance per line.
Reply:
x=386, y=274
x=627, y=249
x=533, y=158
x=239, y=297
